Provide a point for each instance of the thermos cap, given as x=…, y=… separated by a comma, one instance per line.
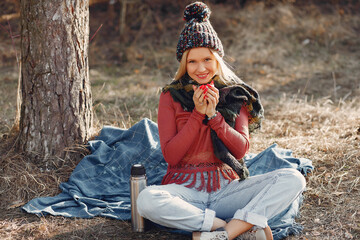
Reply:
x=137, y=170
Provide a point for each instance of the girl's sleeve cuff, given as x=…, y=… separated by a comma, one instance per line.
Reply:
x=198, y=116
x=213, y=122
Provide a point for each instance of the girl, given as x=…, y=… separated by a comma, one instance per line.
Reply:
x=204, y=120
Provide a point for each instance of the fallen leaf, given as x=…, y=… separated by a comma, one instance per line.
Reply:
x=322, y=169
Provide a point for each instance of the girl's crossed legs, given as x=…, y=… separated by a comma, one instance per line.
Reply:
x=251, y=202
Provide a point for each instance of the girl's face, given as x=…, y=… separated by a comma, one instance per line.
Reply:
x=201, y=65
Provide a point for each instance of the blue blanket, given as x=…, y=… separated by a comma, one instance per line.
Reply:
x=99, y=185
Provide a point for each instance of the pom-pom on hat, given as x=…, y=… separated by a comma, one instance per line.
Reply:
x=198, y=31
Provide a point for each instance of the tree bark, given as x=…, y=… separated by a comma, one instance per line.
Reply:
x=56, y=109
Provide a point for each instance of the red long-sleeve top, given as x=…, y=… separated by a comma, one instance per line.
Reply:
x=187, y=146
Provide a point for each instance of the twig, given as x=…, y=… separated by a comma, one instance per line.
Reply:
x=354, y=184
x=334, y=78
x=122, y=17
x=96, y=32
x=4, y=28
x=338, y=185
x=18, y=100
x=306, y=85
x=347, y=95
x=128, y=113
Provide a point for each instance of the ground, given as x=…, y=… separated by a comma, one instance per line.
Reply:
x=302, y=56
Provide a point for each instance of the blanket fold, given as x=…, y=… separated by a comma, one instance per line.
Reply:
x=99, y=185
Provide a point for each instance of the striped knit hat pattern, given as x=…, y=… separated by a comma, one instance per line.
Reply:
x=198, y=31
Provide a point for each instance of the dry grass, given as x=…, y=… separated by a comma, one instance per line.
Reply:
x=321, y=132
x=304, y=60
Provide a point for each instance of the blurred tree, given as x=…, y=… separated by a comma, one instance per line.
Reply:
x=56, y=105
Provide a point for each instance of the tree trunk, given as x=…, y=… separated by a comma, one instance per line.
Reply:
x=56, y=109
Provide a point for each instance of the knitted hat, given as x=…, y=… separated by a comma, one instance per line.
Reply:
x=198, y=31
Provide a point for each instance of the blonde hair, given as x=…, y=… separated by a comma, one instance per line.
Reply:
x=226, y=75
x=182, y=66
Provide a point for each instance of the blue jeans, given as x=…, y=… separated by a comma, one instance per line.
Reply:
x=254, y=200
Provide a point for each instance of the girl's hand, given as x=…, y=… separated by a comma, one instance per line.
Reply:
x=199, y=100
x=212, y=99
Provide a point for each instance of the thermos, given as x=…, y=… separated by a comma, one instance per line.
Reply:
x=137, y=184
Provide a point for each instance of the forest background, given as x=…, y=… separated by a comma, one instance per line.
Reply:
x=302, y=56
